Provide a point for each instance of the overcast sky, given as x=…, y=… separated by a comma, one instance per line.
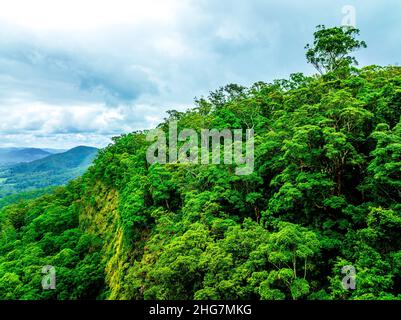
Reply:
x=76, y=72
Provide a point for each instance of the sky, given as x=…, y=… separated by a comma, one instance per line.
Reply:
x=77, y=72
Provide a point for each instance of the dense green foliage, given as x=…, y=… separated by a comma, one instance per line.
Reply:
x=52, y=170
x=20, y=196
x=325, y=193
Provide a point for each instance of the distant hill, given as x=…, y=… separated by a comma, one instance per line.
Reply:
x=54, y=151
x=71, y=159
x=52, y=170
x=17, y=155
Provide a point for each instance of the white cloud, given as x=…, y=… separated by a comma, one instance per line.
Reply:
x=89, y=14
x=95, y=68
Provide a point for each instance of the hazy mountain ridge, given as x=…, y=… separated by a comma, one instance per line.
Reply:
x=73, y=158
x=16, y=155
x=52, y=170
x=13, y=155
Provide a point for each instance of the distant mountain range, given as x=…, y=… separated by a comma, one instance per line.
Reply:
x=17, y=155
x=31, y=169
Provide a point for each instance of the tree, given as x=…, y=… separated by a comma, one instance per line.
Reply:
x=290, y=251
x=385, y=178
x=332, y=47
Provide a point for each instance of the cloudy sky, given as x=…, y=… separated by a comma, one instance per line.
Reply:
x=76, y=72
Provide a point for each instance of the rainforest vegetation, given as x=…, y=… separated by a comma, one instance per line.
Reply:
x=325, y=193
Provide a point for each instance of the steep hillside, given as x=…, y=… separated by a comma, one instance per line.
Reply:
x=325, y=193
